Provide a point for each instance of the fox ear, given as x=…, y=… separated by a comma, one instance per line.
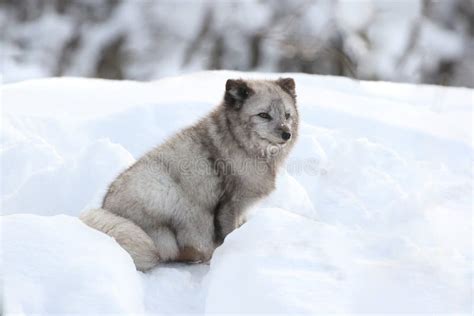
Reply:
x=288, y=85
x=236, y=92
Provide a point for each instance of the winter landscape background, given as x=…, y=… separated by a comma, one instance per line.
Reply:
x=372, y=211
x=396, y=40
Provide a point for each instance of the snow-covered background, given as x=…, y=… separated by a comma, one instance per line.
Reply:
x=427, y=41
x=372, y=213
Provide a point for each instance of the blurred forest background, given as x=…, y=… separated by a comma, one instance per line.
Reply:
x=418, y=41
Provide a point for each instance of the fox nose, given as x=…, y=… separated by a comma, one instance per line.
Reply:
x=285, y=135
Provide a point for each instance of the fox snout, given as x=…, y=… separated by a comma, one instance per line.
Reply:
x=285, y=132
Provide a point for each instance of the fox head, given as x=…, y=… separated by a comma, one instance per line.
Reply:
x=262, y=113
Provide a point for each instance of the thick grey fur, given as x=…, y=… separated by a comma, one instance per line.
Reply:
x=193, y=190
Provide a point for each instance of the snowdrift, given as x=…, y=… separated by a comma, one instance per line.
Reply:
x=371, y=214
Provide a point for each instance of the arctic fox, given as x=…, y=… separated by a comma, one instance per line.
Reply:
x=180, y=200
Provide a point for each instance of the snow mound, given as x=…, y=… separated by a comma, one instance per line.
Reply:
x=59, y=265
x=90, y=172
x=372, y=211
x=258, y=271
x=280, y=262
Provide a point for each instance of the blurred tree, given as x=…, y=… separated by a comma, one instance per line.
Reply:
x=415, y=41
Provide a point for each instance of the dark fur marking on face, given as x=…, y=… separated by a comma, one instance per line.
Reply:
x=236, y=92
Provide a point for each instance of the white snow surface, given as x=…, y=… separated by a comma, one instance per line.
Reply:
x=372, y=213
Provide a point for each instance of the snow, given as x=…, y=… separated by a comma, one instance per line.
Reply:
x=372, y=213
x=47, y=268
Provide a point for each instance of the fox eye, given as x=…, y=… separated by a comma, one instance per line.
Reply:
x=287, y=115
x=265, y=115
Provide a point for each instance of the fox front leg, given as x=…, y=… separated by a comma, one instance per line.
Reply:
x=225, y=220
